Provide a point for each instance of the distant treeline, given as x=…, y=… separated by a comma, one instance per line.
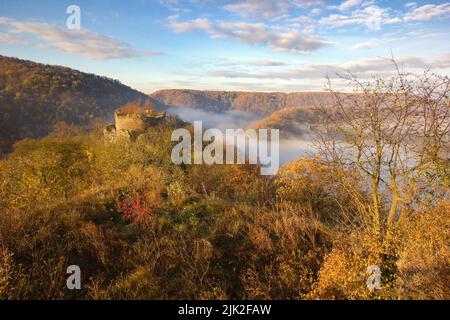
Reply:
x=263, y=103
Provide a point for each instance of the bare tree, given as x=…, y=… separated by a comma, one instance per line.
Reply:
x=393, y=130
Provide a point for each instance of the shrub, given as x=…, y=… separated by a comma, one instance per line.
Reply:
x=424, y=258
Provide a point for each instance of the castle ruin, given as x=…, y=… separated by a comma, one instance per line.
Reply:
x=131, y=120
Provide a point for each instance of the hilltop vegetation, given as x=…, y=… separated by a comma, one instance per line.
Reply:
x=141, y=227
x=34, y=97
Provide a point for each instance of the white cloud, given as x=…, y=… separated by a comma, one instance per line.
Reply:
x=289, y=40
x=268, y=63
x=372, y=43
x=5, y=20
x=83, y=42
x=411, y=4
x=380, y=64
x=307, y=23
x=364, y=68
x=11, y=39
x=423, y=34
x=226, y=62
x=259, y=8
x=267, y=8
x=428, y=12
x=443, y=61
x=316, y=11
x=349, y=4
x=373, y=17
x=175, y=6
x=189, y=26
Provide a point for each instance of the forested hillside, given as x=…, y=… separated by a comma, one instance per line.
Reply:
x=34, y=97
x=292, y=122
x=254, y=102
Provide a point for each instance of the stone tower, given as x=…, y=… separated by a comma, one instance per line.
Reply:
x=130, y=121
x=133, y=119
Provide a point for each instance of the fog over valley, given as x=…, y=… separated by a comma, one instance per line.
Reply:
x=290, y=147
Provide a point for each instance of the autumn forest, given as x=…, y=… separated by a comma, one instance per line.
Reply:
x=374, y=193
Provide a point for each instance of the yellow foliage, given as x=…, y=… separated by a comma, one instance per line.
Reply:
x=342, y=276
x=305, y=179
x=424, y=257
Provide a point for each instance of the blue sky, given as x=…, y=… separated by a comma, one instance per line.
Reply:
x=247, y=45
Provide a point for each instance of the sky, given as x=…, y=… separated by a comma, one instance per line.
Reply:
x=247, y=45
